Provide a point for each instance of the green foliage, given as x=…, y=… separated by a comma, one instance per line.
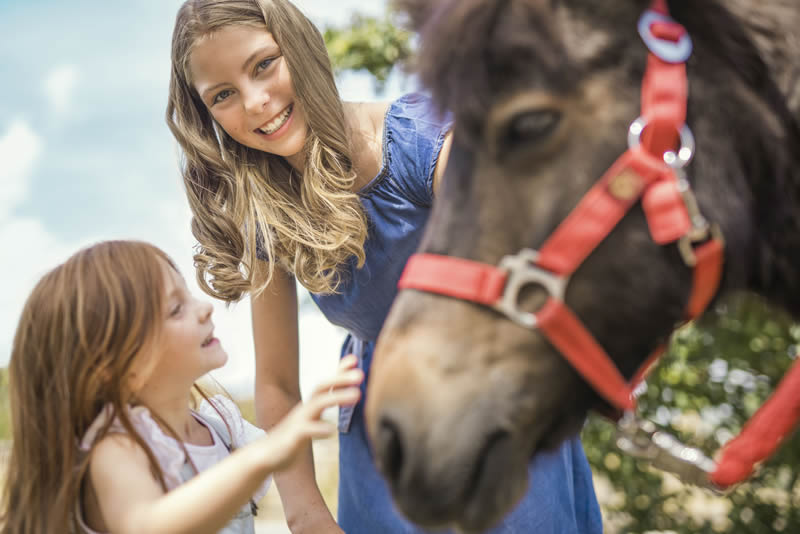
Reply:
x=368, y=43
x=714, y=377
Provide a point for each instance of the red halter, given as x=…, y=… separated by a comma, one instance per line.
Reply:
x=650, y=171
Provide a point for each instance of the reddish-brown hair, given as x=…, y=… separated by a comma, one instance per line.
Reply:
x=81, y=329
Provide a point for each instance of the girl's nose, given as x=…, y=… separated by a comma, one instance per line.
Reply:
x=205, y=310
x=256, y=100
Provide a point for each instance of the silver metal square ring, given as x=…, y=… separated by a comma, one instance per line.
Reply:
x=523, y=271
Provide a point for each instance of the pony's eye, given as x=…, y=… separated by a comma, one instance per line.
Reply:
x=530, y=127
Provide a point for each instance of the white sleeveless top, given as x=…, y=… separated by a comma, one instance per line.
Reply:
x=170, y=455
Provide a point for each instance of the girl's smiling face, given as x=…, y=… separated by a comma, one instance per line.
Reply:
x=242, y=77
x=186, y=348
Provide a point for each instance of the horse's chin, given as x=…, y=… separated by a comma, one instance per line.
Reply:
x=500, y=480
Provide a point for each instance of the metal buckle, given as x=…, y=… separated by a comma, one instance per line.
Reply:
x=701, y=229
x=522, y=271
x=641, y=439
x=676, y=160
x=671, y=52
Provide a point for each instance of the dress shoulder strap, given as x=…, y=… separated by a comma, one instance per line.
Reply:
x=219, y=427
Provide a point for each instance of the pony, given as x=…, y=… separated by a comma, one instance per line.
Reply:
x=543, y=94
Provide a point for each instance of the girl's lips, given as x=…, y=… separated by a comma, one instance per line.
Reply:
x=210, y=342
x=282, y=129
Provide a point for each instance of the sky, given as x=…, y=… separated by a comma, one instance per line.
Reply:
x=85, y=154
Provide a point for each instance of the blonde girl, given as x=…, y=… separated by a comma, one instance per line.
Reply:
x=106, y=437
x=288, y=182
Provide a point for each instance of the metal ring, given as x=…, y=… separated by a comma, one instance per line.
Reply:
x=676, y=160
x=522, y=271
x=671, y=52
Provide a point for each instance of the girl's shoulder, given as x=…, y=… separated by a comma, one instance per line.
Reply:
x=418, y=107
x=119, y=471
x=414, y=132
x=108, y=431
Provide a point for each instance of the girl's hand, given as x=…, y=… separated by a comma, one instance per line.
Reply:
x=302, y=424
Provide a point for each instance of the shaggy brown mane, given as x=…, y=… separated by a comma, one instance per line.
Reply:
x=464, y=50
x=475, y=51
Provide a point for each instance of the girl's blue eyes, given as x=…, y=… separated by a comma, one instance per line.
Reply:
x=222, y=95
x=264, y=64
x=225, y=93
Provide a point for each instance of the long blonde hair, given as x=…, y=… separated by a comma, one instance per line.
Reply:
x=248, y=204
x=80, y=331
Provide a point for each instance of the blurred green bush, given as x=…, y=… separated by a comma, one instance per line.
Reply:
x=714, y=377
x=372, y=44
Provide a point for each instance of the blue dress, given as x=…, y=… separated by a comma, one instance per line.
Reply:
x=561, y=499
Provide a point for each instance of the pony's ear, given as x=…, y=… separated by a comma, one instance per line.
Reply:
x=418, y=11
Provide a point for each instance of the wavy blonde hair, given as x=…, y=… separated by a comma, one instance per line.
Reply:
x=247, y=204
x=82, y=328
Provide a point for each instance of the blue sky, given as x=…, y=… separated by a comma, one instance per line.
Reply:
x=85, y=153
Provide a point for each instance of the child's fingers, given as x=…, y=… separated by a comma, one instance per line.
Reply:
x=318, y=403
x=344, y=378
x=348, y=362
x=318, y=429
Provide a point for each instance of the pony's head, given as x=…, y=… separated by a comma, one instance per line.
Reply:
x=543, y=94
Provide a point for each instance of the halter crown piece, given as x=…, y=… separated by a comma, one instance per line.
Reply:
x=650, y=171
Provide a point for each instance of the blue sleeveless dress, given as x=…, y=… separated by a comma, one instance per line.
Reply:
x=561, y=499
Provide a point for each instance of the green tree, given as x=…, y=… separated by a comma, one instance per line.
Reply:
x=375, y=45
x=713, y=378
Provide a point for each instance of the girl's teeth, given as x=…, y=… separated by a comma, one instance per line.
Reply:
x=273, y=126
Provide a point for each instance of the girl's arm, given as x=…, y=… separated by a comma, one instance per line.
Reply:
x=441, y=163
x=277, y=390
x=132, y=501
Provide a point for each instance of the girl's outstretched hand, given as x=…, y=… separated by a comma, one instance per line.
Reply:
x=302, y=424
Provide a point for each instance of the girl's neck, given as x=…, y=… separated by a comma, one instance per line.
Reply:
x=365, y=131
x=364, y=123
x=174, y=411
x=297, y=161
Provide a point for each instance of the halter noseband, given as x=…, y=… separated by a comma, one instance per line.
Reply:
x=652, y=172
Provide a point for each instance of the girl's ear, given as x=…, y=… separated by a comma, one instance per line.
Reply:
x=134, y=382
x=140, y=372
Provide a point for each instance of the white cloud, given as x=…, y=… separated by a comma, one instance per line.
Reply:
x=20, y=146
x=29, y=252
x=59, y=87
x=324, y=12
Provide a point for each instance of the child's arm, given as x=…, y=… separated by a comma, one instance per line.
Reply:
x=132, y=501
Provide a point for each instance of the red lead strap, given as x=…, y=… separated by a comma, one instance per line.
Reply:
x=762, y=434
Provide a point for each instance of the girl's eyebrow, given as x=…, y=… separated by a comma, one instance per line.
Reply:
x=256, y=53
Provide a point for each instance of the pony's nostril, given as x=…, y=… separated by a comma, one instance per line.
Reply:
x=493, y=450
x=390, y=449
